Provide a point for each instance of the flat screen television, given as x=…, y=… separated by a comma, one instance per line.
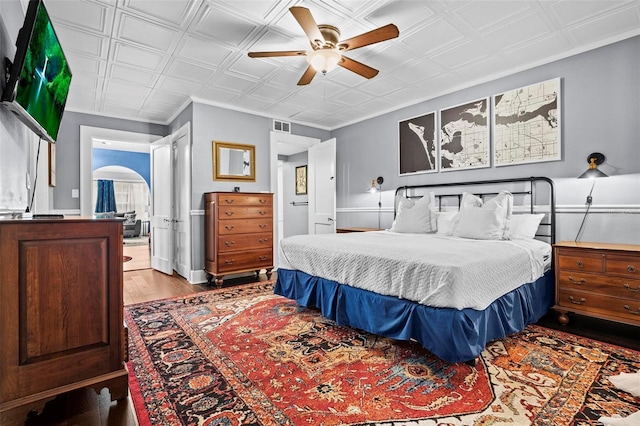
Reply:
x=40, y=76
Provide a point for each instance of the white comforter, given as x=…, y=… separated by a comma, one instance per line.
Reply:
x=434, y=270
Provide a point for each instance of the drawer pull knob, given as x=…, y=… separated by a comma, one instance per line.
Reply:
x=263, y=201
x=229, y=227
x=579, y=263
x=580, y=281
x=263, y=212
x=577, y=302
x=229, y=201
x=228, y=213
x=262, y=225
x=636, y=312
x=628, y=287
x=631, y=268
x=229, y=243
x=262, y=240
x=230, y=261
x=262, y=258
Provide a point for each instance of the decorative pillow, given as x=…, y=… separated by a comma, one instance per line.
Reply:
x=416, y=216
x=129, y=219
x=524, y=226
x=446, y=221
x=489, y=221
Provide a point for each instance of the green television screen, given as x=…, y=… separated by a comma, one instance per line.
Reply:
x=40, y=76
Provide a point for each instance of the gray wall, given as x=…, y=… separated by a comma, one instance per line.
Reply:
x=295, y=218
x=600, y=112
x=15, y=137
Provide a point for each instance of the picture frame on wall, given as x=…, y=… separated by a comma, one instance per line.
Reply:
x=464, y=136
x=526, y=124
x=52, y=164
x=417, y=145
x=301, y=180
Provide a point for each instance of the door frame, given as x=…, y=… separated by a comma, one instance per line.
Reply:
x=87, y=135
x=275, y=139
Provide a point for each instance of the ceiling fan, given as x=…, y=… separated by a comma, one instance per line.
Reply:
x=326, y=47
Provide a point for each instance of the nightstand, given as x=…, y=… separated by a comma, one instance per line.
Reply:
x=600, y=280
x=347, y=230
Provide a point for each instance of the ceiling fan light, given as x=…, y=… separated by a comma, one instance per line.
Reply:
x=324, y=60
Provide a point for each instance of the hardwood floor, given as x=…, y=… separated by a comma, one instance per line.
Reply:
x=84, y=407
x=140, y=257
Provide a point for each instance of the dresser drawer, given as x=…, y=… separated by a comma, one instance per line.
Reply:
x=596, y=303
x=244, y=226
x=239, y=242
x=623, y=265
x=601, y=284
x=580, y=260
x=244, y=200
x=241, y=212
x=245, y=260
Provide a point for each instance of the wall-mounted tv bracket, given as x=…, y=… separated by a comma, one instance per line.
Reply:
x=7, y=69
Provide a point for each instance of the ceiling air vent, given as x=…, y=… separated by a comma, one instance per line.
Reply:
x=281, y=126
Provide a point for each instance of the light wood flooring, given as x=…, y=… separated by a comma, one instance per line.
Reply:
x=84, y=407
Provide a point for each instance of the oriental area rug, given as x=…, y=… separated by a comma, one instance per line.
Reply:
x=244, y=356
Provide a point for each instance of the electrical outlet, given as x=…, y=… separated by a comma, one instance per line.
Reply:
x=75, y=193
x=28, y=181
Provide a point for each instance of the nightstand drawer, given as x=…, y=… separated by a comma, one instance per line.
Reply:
x=623, y=265
x=600, y=284
x=580, y=260
x=599, y=304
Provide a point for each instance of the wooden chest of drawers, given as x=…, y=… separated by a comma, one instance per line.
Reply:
x=598, y=279
x=239, y=233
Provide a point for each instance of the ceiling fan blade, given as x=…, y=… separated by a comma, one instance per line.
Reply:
x=280, y=53
x=358, y=67
x=308, y=24
x=307, y=76
x=374, y=36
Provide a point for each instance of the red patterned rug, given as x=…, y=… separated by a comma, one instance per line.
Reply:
x=244, y=356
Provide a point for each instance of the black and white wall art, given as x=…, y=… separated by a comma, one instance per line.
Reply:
x=417, y=145
x=464, y=136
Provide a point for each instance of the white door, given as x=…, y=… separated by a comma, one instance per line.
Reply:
x=182, y=201
x=161, y=206
x=321, y=187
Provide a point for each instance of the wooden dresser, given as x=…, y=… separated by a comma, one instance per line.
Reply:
x=239, y=233
x=599, y=280
x=61, y=312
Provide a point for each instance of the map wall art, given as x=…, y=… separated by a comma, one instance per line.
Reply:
x=417, y=145
x=526, y=124
x=464, y=136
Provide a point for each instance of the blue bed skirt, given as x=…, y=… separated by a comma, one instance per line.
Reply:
x=451, y=334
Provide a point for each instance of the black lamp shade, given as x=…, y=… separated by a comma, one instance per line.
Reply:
x=594, y=159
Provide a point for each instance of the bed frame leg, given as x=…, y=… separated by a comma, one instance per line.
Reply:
x=471, y=362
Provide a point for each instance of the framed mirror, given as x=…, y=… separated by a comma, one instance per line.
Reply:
x=234, y=161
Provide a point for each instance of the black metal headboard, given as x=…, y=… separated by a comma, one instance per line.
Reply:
x=535, y=193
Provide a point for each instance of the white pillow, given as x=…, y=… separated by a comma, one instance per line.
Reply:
x=416, y=216
x=446, y=220
x=490, y=221
x=524, y=226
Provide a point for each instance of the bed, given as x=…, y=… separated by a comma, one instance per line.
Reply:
x=457, y=269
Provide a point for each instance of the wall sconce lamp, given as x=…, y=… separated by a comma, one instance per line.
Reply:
x=594, y=160
x=376, y=186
